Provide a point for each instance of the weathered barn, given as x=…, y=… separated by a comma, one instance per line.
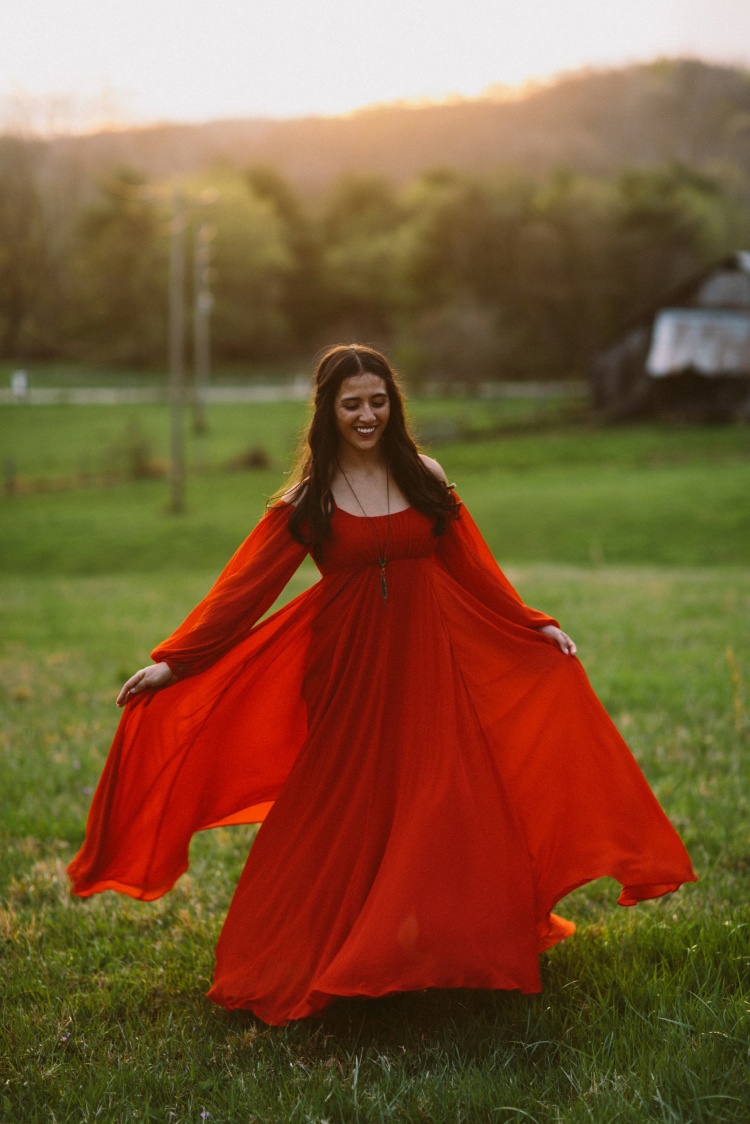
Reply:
x=686, y=357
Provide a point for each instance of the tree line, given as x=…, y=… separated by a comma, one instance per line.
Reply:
x=593, y=121
x=461, y=276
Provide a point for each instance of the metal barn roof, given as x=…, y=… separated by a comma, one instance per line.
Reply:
x=687, y=354
x=707, y=341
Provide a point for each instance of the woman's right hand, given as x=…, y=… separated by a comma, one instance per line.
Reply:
x=151, y=678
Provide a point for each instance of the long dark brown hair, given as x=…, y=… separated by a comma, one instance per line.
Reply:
x=318, y=457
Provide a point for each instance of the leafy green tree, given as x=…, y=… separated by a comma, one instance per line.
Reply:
x=563, y=283
x=545, y=272
x=25, y=248
x=120, y=269
x=251, y=263
x=460, y=259
x=465, y=277
x=671, y=221
x=360, y=224
x=302, y=294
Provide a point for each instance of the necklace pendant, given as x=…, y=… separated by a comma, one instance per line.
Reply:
x=382, y=559
x=383, y=583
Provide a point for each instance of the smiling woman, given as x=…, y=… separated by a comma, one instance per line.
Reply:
x=362, y=411
x=358, y=454
x=431, y=767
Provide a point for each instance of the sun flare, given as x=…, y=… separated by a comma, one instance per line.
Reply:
x=119, y=62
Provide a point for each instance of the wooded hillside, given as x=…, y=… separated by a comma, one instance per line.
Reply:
x=594, y=122
x=486, y=239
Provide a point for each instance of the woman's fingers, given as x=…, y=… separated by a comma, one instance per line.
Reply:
x=148, y=678
x=132, y=687
x=563, y=641
x=566, y=644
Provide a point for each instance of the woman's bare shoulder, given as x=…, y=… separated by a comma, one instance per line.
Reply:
x=434, y=466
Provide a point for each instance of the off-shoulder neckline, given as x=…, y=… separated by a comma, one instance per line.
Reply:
x=282, y=503
x=351, y=514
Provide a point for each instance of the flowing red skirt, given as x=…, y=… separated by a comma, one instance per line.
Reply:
x=434, y=774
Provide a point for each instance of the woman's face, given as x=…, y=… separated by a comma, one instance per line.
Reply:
x=362, y=409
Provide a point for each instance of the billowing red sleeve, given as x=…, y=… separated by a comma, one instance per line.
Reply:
x=468, y=559
x=246, y=588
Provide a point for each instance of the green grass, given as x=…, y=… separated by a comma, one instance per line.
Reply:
x=52, y=441
x=47, y=443
x=667, y=495
x=691, y=515
x=645, y=1013
x=638, y=539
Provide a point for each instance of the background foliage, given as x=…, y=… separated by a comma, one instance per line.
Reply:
x=466, y=269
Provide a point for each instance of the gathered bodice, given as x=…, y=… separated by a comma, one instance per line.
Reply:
x=357, y=541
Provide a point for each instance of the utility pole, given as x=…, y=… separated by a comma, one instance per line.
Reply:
x=203, y=303
x=177, y=351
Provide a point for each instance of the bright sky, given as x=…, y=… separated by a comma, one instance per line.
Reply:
x=139, y=60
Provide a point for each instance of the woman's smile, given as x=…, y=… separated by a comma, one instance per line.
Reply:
x=362, y=410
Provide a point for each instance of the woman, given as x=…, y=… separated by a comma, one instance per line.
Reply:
x=432, y=766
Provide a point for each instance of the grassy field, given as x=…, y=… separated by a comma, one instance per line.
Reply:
x=667, y=495
x=639, y=539
x=47, y=373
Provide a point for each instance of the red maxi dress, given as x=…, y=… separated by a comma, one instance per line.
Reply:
x=433, y=774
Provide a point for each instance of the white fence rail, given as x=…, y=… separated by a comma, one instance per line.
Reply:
x=297, y=391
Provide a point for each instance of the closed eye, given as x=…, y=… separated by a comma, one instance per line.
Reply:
x=378, y=404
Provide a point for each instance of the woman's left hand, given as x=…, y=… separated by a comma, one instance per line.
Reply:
x=563, y=641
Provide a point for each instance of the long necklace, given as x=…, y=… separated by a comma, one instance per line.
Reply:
x=382, y=556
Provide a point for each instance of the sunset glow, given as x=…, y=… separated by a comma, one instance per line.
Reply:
x=135, y=60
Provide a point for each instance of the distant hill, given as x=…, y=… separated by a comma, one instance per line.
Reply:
x=591, y=121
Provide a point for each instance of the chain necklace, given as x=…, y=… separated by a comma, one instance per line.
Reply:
x=382, y=557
